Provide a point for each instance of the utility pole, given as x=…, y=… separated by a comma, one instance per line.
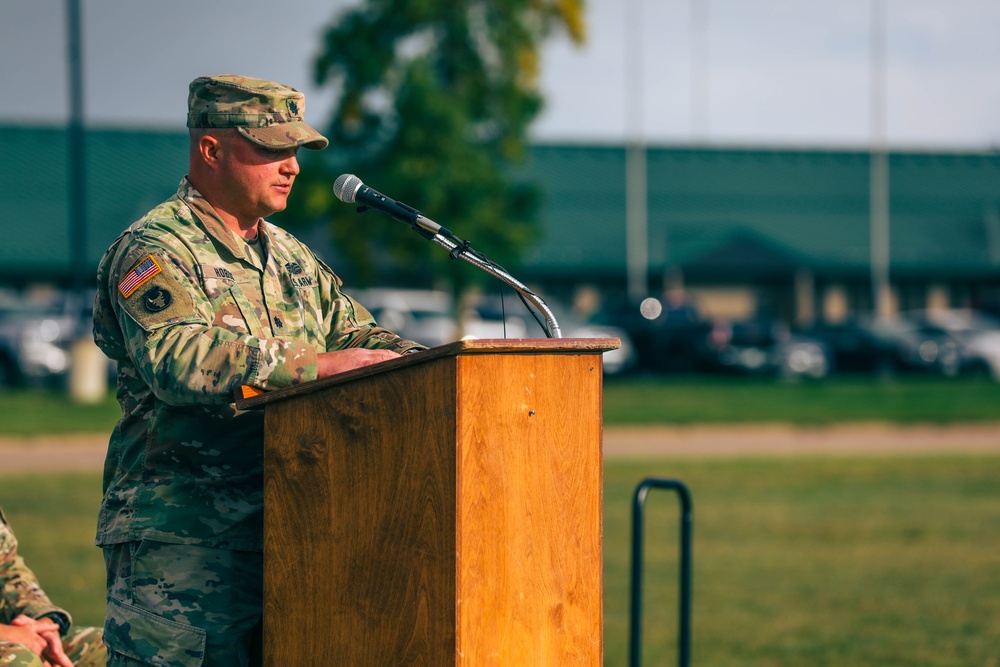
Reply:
x=77, y=204
x=636, y=188
x=699, y=69
x=879, y=167
x=88, y=367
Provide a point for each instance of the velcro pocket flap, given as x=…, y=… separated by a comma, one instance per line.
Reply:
x=151, y=639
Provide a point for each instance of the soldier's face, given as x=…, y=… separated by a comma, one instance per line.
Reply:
x=260, y=179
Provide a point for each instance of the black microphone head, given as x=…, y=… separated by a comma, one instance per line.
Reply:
x=346, y=186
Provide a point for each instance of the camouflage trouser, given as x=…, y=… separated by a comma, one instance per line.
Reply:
x=82, y=645
x=179, y=605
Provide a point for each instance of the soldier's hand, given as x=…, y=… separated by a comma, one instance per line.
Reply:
x=331, y=363
x=47, y=631
x=26, y=637
x=54, y=651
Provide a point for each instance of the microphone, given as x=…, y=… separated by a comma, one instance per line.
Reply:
x=349, y=189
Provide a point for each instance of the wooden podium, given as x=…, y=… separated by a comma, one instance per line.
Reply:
x=440, y=508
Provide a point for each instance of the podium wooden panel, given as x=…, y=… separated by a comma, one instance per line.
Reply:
x=442, y=508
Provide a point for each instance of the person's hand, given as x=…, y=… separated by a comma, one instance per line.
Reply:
x=43, y=639
x=331, y=363
x=26, y=637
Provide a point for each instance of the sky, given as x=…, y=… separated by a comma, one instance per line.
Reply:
x=716, y=72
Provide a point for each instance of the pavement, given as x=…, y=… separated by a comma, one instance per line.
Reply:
x=85, y=453
x=783, y=439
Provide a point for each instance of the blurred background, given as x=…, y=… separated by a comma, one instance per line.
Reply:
x=768, y=188
x=789, y=212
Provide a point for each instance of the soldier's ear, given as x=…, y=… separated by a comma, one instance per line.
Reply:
x=210, y=149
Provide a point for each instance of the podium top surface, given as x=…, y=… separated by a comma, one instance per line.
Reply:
x=248, y=398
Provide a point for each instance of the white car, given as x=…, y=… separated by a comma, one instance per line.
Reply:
x=977, y=335
x=424, y=316
x=487, y=320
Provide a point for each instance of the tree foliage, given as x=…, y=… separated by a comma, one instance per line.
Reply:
x=434, y=103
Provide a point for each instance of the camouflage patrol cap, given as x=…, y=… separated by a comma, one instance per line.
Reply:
x=265, y=112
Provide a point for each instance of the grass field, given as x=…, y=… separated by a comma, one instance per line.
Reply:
x=892, y=561
x=32, y=412
x=654, y=400
x=797, y=562
x=650, y=400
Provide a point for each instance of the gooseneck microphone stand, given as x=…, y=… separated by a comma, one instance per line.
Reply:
x=347, y=187
x=461, y=249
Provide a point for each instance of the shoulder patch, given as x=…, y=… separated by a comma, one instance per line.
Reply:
x=156, y=299
x=162, y=300
x=141, y=273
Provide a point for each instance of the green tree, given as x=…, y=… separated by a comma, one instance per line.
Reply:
x=434, y=103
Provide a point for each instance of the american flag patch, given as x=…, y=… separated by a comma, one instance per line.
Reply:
x=142, y=272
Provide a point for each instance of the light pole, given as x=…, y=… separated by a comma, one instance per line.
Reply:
x=77, y=204
x=636, y=188
x=699, y=69
x=87, y=381
x=879, y=167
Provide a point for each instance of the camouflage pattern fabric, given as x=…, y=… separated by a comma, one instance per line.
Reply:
x=18, y=656
x=20, y=593
x=189, y=313
x=179, y=605
x=264, y=112
x=83, y=646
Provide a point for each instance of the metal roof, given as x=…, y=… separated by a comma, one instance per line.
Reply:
x=710, y=209
x=719, y=208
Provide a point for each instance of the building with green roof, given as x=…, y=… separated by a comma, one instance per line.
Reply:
x=742, y=230
x=784, y=231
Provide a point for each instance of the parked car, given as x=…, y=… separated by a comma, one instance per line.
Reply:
x=915, y=342
x=487, y=319
x=36, y=336
x=929, y=349
x=803, y=357
x=969, y=339
x=881, y=348
x=666, y=339
x=424, y=316
x=763, y=346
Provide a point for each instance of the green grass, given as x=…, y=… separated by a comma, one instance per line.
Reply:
x=797, y=562
x=648, y=400
x=892, y=561
x=674, y=400
x=33, y=412
x=54, y=518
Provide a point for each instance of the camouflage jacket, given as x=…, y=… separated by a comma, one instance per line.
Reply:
x=20, y=592
x=187, y=310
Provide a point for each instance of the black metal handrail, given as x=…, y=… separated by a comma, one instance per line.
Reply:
x=638, y=531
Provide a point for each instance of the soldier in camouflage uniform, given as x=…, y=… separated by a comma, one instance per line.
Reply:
x=33, y=631
x=198, y=297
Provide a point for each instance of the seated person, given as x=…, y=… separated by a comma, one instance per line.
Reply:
x=33, y=631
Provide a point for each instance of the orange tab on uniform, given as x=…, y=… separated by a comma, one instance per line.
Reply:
x=140, y=273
